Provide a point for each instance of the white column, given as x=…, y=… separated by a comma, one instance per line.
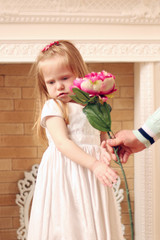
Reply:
x=156, y=162
x=146, y=169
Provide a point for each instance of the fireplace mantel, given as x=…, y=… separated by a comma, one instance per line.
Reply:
x=21, y=51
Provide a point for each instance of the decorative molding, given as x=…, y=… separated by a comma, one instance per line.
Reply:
x=81, y=11
x=24, y=199
x=143, y=161
x=91, y=50
x=119, y=196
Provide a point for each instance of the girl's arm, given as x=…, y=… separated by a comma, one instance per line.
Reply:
x=59, y=133
x=103, y=136
x=105, y=156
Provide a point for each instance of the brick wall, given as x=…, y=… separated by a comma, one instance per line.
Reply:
x=19, y=149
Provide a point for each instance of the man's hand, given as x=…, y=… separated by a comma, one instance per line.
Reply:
x=127, y=144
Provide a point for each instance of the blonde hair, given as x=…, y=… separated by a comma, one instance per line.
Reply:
x=72, y=59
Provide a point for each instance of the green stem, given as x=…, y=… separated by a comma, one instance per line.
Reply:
x=127, y=190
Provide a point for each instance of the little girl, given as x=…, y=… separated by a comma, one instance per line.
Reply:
x=73, y=198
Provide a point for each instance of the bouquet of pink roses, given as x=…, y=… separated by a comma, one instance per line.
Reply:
x=93, y=91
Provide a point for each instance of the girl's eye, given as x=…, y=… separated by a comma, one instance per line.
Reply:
x=51, y=82
x=65, y=78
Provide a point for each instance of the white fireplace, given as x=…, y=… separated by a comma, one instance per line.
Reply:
x=121, y=31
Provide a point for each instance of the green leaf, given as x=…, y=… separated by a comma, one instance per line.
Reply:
x=81, y=95
x=77, y=100
x=99, y=116
x=93, y=99
x=105, y=111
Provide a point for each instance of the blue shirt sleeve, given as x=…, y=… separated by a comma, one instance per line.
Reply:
x=150, y=131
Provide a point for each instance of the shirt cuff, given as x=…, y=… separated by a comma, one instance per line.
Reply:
x=150, y=131
x=141, y=138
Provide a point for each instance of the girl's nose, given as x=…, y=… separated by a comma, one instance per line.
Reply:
x=60, y=85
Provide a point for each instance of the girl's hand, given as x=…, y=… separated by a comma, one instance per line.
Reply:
x=106, y=175
x=104, y=155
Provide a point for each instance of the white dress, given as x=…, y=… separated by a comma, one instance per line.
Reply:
x=69, y=202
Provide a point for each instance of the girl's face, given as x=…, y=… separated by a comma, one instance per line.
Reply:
x=58, y=78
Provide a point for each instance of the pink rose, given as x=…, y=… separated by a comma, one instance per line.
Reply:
x=96, y=84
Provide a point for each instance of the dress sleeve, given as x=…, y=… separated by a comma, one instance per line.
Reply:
x=150, y=131
x=50, y=108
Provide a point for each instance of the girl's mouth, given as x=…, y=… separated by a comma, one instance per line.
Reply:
x=61, y=95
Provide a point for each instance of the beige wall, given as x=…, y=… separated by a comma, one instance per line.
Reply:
x=19, y=149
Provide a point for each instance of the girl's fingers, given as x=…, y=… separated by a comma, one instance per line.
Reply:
x=103, y=144
x=106, y=159
x=107, y=156
x=106, y=175
x=106, y=181
x=110, y=178
x=112, y=175
x=110, y=153
x=109, y=148
x=113, y=156
x=112, y=172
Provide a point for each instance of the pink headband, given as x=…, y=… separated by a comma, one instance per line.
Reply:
x=49, y=45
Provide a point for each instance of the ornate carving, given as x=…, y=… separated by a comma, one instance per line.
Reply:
x=91, y=50
x=119, y=198
x=81, y=11
x=24, y=199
